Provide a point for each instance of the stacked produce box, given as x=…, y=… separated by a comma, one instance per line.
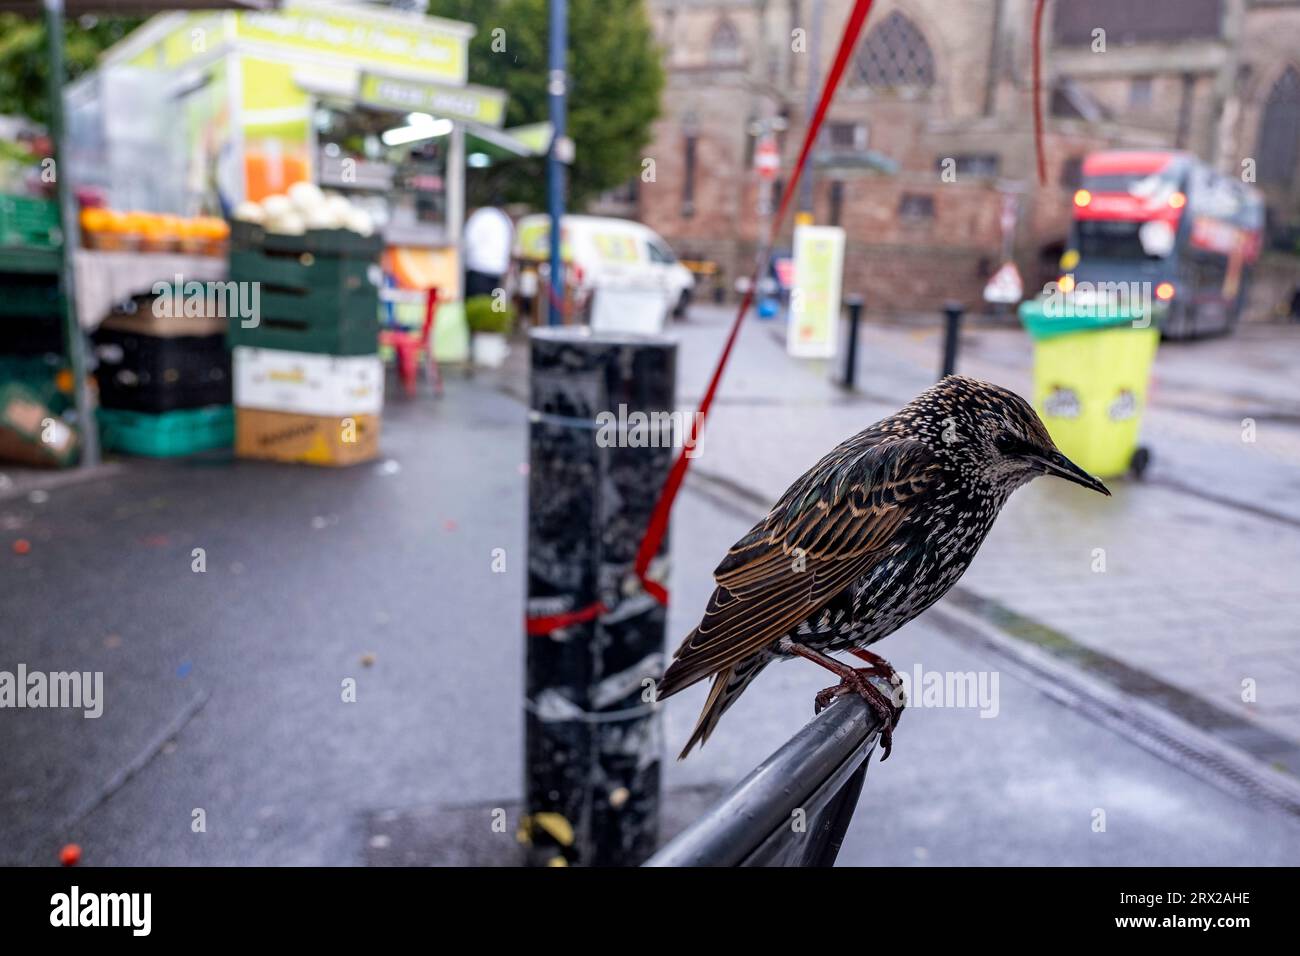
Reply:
x=35, y=382
x=308, y=378
x=164, y=380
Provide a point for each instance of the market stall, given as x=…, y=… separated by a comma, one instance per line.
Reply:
x=368, y=102
x=219, y=114
x=38, y=242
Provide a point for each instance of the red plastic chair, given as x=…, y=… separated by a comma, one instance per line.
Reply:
x=407, y=346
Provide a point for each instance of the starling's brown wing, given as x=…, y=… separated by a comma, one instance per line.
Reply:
x=851, y=510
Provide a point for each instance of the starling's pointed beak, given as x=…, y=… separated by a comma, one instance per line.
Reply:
x=1054, y=463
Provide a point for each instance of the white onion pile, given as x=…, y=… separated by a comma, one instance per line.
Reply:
x=305, y=207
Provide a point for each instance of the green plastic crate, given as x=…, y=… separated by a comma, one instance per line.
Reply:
x=309, y=301
x=26, y=260
x=40, y=374
x=25, y=221
x=169, y=434
x=31, y=295
x=345, y=242
x=323, y=310
x=296, y=335
x=303, y=273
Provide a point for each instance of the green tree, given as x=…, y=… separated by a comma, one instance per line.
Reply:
x=24, y=63
x=615, y=80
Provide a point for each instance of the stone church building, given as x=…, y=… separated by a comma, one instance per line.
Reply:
x=928, y=146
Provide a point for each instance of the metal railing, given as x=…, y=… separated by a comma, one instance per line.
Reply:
x=795, y=807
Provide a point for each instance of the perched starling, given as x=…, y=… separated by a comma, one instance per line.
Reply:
x=866, y=540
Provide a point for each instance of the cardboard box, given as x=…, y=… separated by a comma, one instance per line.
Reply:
x=309, y=439
x=144, y=322
x=32, y=434
x=308, y=383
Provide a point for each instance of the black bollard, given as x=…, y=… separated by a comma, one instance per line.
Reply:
x=595, y=639
x=951, y=336
x=854, y=302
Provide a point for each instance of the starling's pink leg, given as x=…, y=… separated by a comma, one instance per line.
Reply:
x=862, y=654
x=854, y=680
x=882, y=668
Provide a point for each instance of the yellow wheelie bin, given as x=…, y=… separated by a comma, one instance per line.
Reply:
x=1091, y=370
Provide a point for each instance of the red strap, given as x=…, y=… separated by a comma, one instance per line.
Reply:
x=541, y=626
x=1038, y=99
x=658, y=526
x=555, y=301
x=430, y=312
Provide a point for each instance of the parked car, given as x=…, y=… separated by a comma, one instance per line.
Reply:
x=598, y=248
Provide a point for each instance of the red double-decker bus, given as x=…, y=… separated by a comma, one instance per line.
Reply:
x=1164, y=222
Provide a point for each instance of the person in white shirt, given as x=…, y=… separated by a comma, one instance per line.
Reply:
x=489, y=234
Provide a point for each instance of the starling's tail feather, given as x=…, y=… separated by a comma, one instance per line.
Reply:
x=711, y=714
x=728, y=685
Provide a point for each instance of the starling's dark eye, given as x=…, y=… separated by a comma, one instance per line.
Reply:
x=1010, y=444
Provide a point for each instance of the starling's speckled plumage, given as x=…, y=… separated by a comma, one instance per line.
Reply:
x=867, y=539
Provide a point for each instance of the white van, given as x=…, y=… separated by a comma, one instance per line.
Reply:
x=597, y=248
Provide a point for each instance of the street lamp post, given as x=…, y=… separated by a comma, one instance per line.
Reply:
x=557, y=86
x=74, y=342
x=810, y=107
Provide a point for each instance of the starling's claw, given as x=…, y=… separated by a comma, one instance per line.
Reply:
x=886, y=742
x=886, y=710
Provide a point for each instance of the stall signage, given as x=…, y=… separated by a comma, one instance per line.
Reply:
x=534, y=240
x=474, y=103
x=815, y=296
x=425, y=47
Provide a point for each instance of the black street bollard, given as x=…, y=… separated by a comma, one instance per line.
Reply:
x=854, y=302
x=600, y=447
x=951, y=336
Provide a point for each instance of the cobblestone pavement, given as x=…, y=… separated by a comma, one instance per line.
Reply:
x=1199, y=582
